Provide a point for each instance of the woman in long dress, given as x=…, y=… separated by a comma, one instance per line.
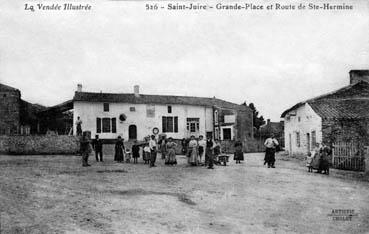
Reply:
x=119, y=149
x=163, y=147
x=238, y=154
x=171, y=152
x=193, y=152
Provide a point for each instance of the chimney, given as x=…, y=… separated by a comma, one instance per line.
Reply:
x=136, y=90
x=358, y=75
x=79, y=87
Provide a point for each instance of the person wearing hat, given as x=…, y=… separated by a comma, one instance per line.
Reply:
x=119, y=149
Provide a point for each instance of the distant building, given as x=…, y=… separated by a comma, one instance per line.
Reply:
x=135, y=116
x=276, y=128
x=17, y=115
x=342, y=115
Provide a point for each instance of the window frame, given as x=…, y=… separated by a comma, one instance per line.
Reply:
x=106, y=125
x=106, y=107
x=169, y=124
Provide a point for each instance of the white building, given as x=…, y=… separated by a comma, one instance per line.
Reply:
x=339, y=116
x=135, y=115
x=302, y=129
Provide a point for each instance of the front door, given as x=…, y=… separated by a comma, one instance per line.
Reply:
x=132, y=132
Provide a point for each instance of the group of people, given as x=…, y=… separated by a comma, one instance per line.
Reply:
x=198, y=151
x=318, y=158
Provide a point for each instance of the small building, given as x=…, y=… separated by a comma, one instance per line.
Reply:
x=339, y=116
x=276, y=128
x=17, y=115
x=135, y=116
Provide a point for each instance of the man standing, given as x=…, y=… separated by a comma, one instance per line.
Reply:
x=97, y=145
x=209, y=160
x=85, y=149
x=270, y=144
x=153, y=150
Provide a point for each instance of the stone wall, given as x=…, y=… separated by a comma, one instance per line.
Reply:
x=346, y=130
x=9, y=111
x=45, y=144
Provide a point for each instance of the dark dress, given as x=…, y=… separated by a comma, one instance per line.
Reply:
x=238, y=154
x=119, y=147
x=209, y=153
x=135, y=151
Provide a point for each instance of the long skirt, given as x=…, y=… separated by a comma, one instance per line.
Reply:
x=209, y=161
x=163, y=151
x=171, y=157
x=119, y=157
x=146, y=156
x=269, y=155
x=238, y=154
x=193, y=156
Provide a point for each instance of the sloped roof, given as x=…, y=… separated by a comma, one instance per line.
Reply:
x=347, y=102
x=155, y=99
x=4, y=87
x=342, y=109
x=65, y=106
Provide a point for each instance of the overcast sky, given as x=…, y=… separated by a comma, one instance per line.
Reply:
x=273, y=59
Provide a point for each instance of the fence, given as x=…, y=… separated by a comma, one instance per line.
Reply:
x=348, y=156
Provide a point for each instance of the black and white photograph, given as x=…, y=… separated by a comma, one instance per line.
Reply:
x=184, y=116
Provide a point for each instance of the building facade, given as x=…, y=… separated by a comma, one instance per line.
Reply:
x=135, y=116
x=17, y=115
x=339, y=116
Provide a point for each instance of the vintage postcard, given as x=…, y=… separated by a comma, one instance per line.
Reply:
x=184, y=116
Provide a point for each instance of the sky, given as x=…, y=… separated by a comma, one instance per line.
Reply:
x=273, y=59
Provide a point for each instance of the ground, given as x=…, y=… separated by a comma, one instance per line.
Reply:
x=54, y=194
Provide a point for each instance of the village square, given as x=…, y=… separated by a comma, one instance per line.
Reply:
x=184, y=117
x=137, y=163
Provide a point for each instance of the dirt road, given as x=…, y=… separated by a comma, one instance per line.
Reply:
x=53, y=194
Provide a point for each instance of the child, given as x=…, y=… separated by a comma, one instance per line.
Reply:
x=309, y=160
x=128, y=155
x=146, y=153
x=135, y=151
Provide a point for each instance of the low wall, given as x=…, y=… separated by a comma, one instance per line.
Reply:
x=43, y=144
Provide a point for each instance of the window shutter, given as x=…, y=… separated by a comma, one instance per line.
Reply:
x=176, y=124
x=164, y=123
x=114, y=125
x=98, y=125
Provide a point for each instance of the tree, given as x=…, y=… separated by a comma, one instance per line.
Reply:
x=257, y=120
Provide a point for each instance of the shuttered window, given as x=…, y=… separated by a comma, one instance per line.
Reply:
x=170, y=124
x=98, y=125
x=113, y=125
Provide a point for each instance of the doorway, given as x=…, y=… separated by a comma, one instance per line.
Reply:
x=308, y=141
x=132, y=132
